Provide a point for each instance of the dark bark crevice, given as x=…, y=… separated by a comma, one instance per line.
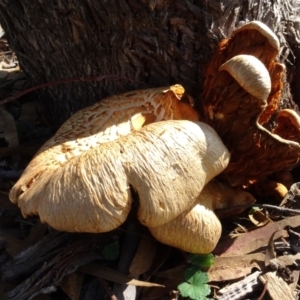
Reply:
x=156, y=42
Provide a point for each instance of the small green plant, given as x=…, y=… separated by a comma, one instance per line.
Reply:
x=195, y=287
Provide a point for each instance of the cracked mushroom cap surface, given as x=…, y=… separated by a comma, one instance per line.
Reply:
x=80, y=179
x=233, y=107
x=102, y=122
x=167, y=163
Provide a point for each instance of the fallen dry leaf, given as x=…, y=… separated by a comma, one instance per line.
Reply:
x=153, y=293
x=234, y=267
x=251, y=241
x=163, y=253
x=293, y=285
x=258, y=218
x=288, y=260
x=113, y=275
x=71, y=285
x=174, y=273
x=144, y=257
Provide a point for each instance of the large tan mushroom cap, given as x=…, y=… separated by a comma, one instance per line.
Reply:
x=183, y=160
x=100, y=123
x=167, y=163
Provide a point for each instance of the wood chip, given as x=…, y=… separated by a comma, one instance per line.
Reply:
x=242, y=288
x=276, y=286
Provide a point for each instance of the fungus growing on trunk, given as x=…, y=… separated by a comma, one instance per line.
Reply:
x=241, y=93
x=258, y=40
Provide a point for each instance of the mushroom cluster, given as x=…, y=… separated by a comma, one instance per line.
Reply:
x=81, y=179
x=151, y=141
x=241, y=96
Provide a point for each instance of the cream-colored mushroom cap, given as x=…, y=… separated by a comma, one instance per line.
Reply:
x=264, y=30
x=198, y=229
x=103, y=122
x=167, y=163
x=250, y=73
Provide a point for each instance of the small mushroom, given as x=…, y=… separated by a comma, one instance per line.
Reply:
x=251, y=75
x=198, y=230
x=258, y=40
x=233, y=106
x=285, y=177
x=270, y=188
x=258, y=28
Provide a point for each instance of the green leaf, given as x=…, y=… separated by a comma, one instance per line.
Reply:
x=111, y=251
x=202, y=260
x=194, y=276
x=195, y=288
x=194, y=292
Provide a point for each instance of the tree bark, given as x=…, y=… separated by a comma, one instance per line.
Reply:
x=153, y=42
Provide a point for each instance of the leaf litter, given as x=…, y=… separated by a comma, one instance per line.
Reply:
x=71, y=266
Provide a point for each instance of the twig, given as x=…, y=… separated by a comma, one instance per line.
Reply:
x=261, y=297
x=64, y=81
x=5, y=52
x=109, y=292
x=280, y=209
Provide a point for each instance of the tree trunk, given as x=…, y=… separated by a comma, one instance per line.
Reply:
x=152, y=42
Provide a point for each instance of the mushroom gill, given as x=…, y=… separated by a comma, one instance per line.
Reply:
x=258, y=40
